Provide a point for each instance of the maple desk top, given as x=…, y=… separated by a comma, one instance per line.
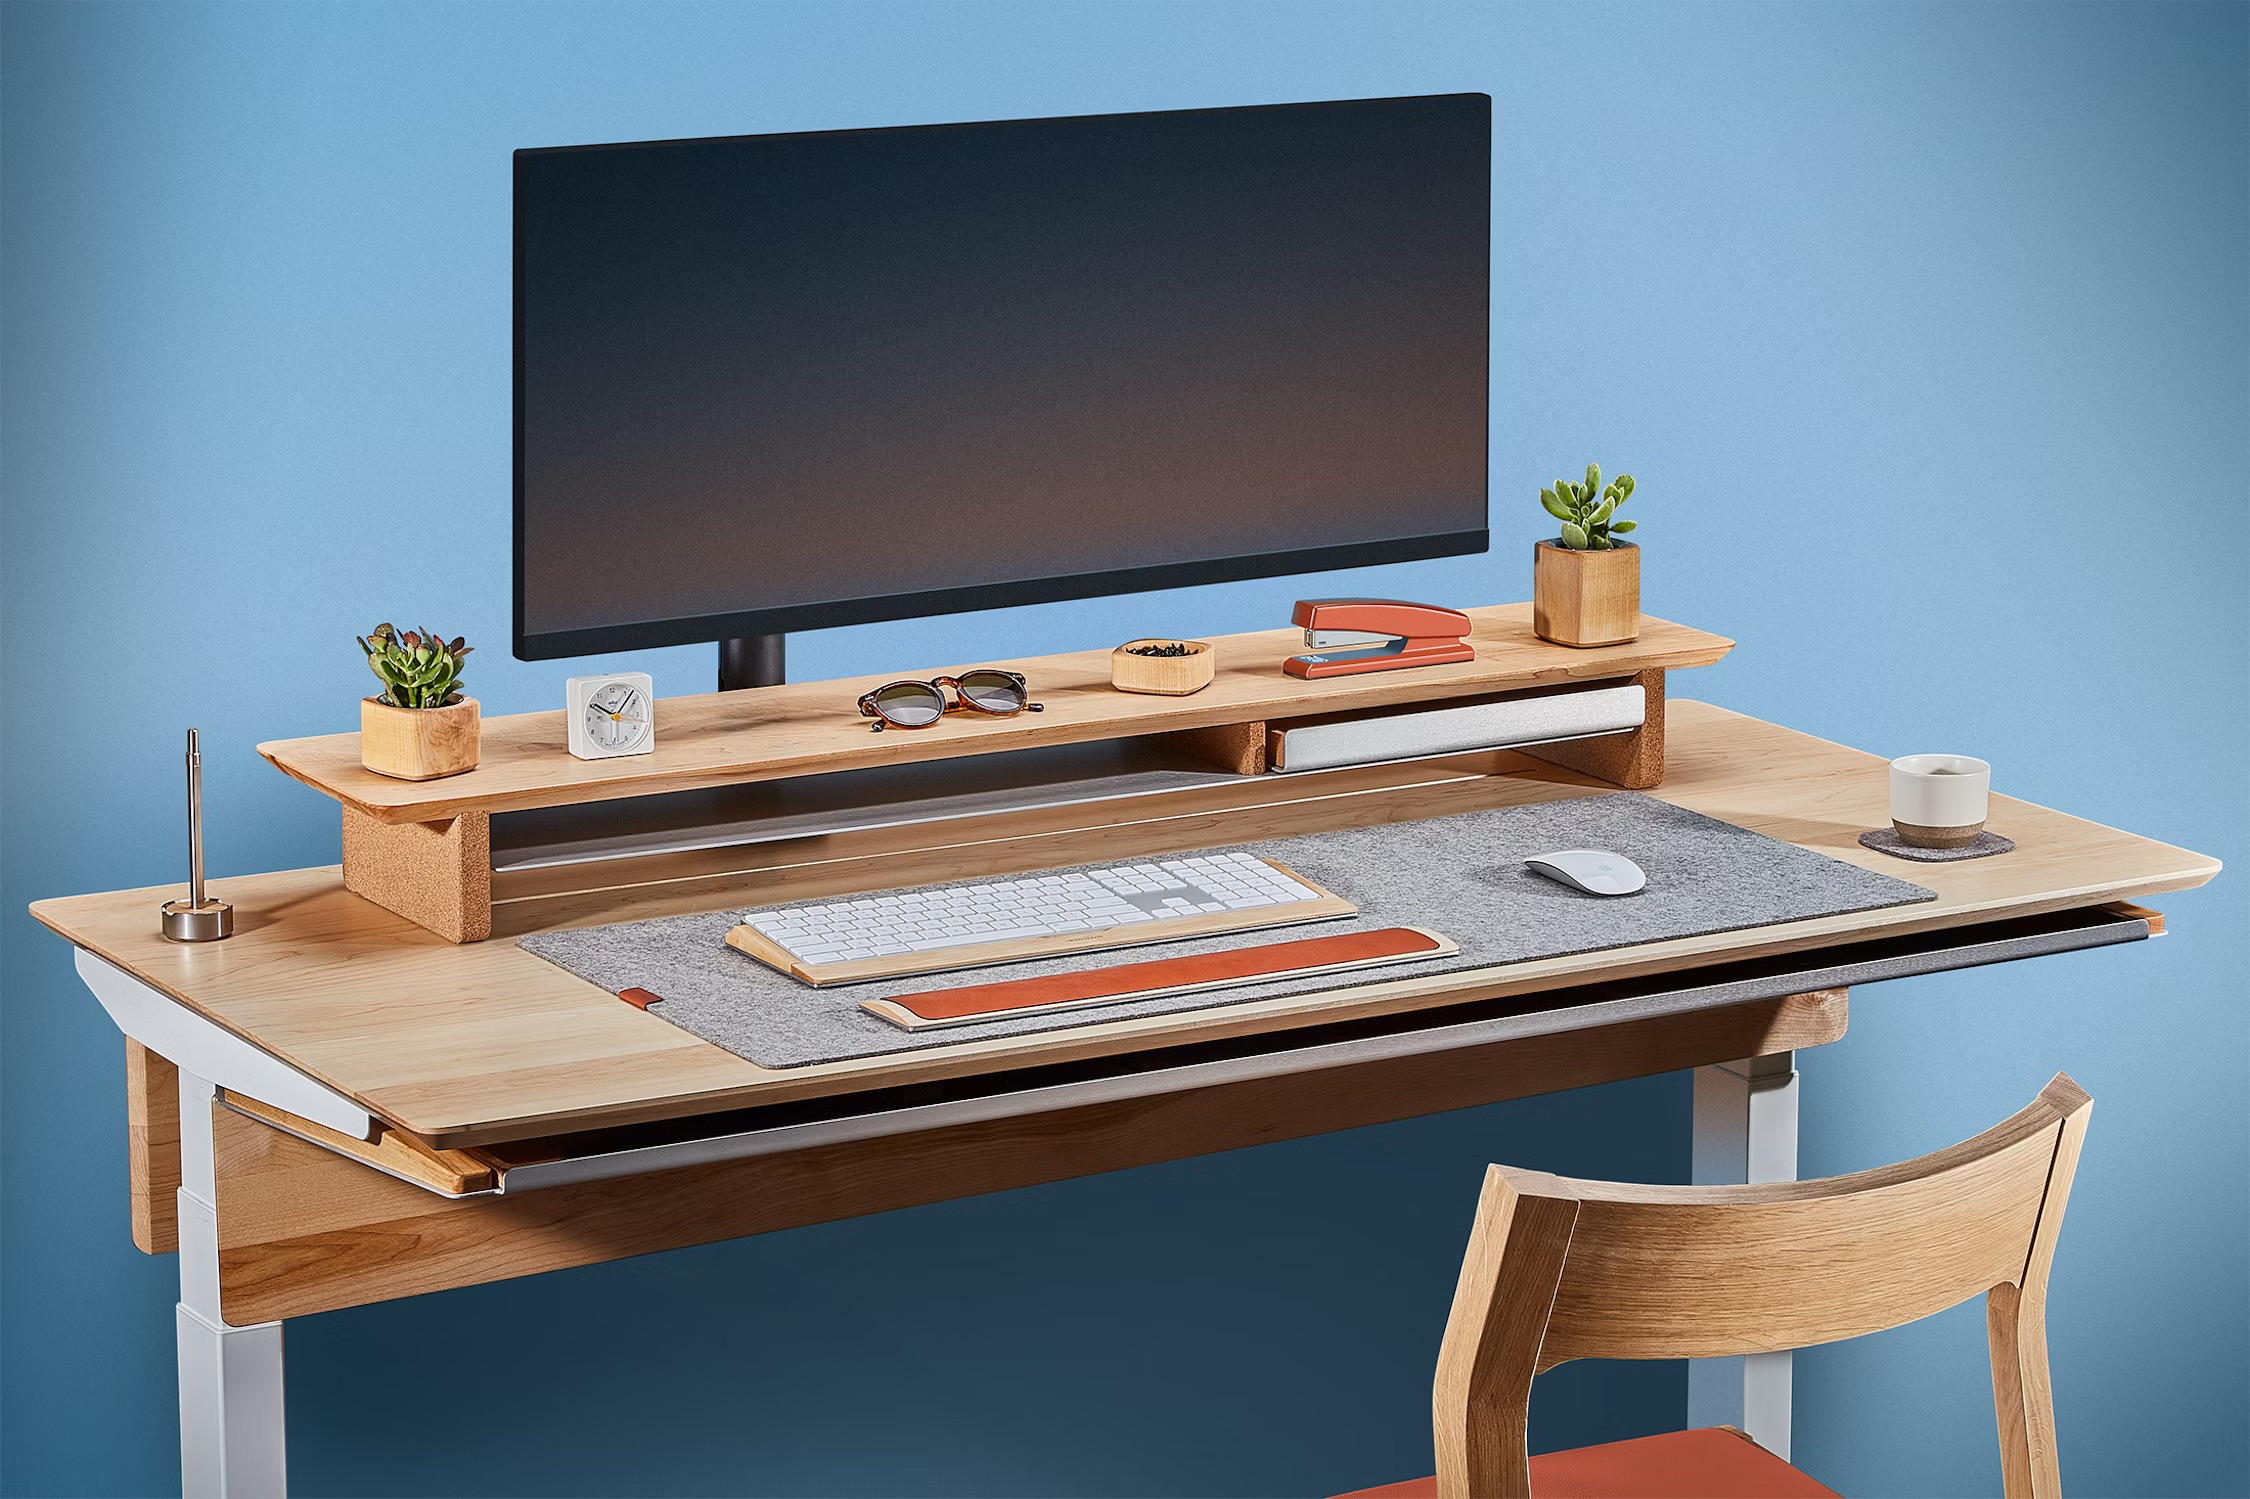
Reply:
x=471, y=1044
x=805, y=728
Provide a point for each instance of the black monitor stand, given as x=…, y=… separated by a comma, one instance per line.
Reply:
x=753, y=661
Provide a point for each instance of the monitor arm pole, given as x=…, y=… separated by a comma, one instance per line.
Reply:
x=752, y=661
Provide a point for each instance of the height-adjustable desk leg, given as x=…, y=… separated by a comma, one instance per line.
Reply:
x=231, y=1434
x=1745, y=1131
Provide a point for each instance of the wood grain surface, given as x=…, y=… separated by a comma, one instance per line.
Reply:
x=1559, y=1269
x=1481, y=1400
x=303, y=1230
x=763, y=733
x=418, y=744
x=2023, y=1396
x=392, y=1152
x=1329, y=906
x=1583, y=599
x=1162, y=675
x=463, y=1045
x=152, y=1145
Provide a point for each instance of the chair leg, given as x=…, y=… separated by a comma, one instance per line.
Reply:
x=1480, y=1403
x=2024, y=1402
x=1745, y=1131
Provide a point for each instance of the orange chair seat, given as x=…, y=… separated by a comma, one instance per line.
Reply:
x=1707, y=1464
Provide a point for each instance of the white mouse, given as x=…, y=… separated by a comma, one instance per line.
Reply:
x=1593, y=870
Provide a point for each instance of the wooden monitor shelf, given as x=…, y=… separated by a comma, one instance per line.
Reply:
x=423, y=849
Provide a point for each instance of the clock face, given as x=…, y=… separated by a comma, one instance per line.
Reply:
x=617, y=716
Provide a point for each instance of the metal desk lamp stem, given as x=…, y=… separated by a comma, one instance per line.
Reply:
x=196, y=919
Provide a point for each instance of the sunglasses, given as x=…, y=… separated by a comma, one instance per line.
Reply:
x=917, y=705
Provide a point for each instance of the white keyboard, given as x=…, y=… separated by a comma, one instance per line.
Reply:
x=967, y=926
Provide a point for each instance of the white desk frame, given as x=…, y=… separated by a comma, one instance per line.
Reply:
x=232, y=1423
x=1745, y=1132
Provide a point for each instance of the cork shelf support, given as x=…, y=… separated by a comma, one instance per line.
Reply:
x=1634, y=760
x=1239, y=748
x=437, y=875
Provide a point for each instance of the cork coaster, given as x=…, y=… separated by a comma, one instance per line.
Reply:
x=1887, y=841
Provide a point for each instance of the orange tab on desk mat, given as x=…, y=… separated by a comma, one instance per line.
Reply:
x=1217, y=970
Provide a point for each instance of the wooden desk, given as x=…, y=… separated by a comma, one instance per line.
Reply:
x=366, y=1111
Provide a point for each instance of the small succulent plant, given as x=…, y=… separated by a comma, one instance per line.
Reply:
x=419, y=669
x=1585, y=510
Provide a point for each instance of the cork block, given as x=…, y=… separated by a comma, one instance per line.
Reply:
x=1634, y=760
x=437, y=875
x=1236, y=747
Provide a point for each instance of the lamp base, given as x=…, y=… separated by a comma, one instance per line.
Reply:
x=187, y=922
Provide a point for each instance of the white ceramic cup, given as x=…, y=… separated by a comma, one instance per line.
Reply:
x=1938, y=801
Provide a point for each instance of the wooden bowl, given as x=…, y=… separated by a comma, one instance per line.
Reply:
x=1165, y=676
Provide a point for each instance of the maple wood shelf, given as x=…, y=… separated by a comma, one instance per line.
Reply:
x=423, y=849
x=802, y=728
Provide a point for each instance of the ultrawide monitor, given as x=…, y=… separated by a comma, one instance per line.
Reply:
x=785, y=382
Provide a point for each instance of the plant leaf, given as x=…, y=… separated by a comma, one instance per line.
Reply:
x=1553, y=506
x=1621, y=527
x=1603, y=544
x=1593, y=479
x=1573, y=537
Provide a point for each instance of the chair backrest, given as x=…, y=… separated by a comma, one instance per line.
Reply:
x=1560, y=1269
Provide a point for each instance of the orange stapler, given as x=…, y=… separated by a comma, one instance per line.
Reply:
x=1355, y=635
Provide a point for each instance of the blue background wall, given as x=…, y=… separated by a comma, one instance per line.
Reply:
x=1923, y=327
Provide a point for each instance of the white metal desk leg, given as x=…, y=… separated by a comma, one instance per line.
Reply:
x=1745, y=1131
x=231, y=1433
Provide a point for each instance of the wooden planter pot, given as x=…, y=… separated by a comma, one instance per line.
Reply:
x=418, y=744
x=1586, y=598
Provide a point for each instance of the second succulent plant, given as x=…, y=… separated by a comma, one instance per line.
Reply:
x=1587, y=510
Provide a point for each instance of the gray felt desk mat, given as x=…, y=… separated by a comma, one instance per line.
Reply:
x=1461, y=875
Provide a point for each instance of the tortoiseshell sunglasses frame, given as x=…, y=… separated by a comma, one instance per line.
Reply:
x=958, y=701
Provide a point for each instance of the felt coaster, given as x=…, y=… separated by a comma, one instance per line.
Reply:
x=1887, y=841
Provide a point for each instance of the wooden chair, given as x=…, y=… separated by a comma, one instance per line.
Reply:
x=1560, y=1269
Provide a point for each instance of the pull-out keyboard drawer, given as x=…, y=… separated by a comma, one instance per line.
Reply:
x=1316, y=1053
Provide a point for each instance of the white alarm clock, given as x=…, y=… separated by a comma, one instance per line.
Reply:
x=612, y=715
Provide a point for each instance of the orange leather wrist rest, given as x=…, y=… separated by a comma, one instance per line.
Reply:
x=1216, y=970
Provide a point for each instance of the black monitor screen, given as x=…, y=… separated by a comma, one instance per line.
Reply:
x=792, y=381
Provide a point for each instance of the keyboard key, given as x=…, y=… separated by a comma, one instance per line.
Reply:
x=965, y=939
